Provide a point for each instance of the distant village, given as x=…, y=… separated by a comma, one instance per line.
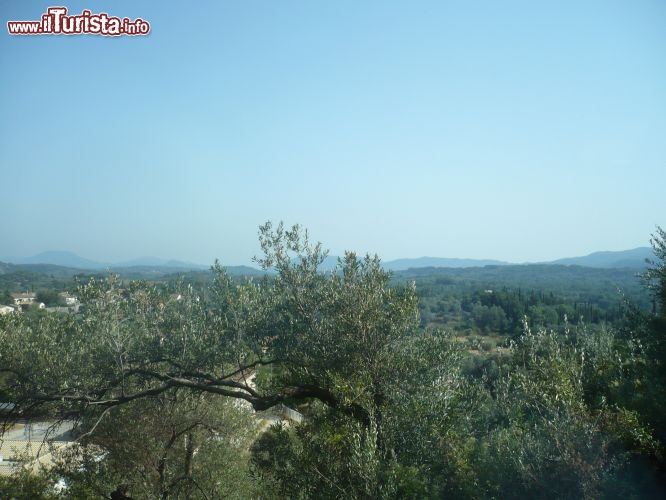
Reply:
x=23, y=301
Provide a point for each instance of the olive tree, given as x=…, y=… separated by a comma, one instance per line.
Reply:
x=345, y=345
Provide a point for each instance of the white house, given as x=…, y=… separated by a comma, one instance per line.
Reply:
x=24, y=299
x=70, y=300
x=6, y=310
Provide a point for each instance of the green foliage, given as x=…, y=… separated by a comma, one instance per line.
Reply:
x=395, y=389
x=655, y=276
x=177, y=445
x=24, y=485
x=163, y=378
x=550, y=430
x=50, y=298
x=496, y=299
x=649, y=331
x=330, y=457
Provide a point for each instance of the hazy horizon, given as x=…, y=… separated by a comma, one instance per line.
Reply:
x=513, y=131
x=143, y=260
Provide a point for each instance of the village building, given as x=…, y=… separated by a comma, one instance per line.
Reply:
x=24, y=299
x=6, y=310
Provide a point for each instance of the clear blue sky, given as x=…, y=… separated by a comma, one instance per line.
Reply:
x=520, y=131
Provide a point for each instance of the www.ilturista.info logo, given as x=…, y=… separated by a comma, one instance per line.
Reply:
x=57, y=22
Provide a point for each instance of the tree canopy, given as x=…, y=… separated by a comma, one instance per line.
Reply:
x=322, y=333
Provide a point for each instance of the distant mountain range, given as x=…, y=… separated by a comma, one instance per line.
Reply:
x=634, y=258
x=70, y=259
x=625, y=258
x=65, y=259
x=403, y=264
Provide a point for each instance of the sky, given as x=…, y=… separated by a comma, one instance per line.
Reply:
x=513, y=130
